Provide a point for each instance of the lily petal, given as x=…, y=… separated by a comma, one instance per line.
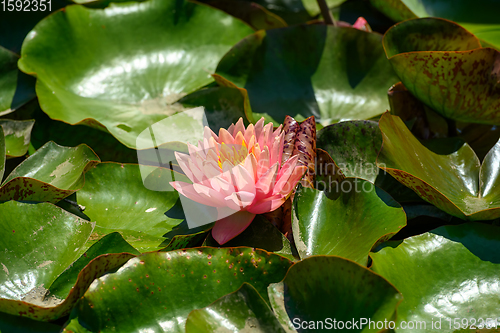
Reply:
x=296, y=175
x=229, y=227
x=225, y=137
x=268, y=205
x=239, y=127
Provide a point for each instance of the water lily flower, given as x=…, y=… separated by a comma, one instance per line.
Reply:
x=239, y=172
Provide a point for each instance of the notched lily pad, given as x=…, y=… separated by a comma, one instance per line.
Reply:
x=348, y=226
x=354, y=146
x=121, y=87
x=331, y=73
x=456, y=183
x=42, y=241
x=482, y=20
x=117, y=199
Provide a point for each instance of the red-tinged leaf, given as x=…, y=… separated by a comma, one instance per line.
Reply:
x=443, y=65
x=426, y=124
x=95, y=269
x=52, y=173
x=290, y=127
x=305, y=147
x=415, y=114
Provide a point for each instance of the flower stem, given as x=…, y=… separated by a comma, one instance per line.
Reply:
x=325, y=12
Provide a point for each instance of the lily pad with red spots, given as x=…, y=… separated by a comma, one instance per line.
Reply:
x=52, y=173
x=444, y=66
x=159, y=287
x=479, y=18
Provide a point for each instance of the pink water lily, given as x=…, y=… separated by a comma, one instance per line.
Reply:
x=239, y=172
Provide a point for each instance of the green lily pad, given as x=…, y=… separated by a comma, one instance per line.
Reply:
x=455, y=183
x=331, y=73
x=162, y=288
x=443, y=65
x=450, y=272
x=324, y=287
x=119, y=86
x=16, y=88
x=59, y=238
x=276, y=293
x=17, y=136
x=349, y=226
x=115, y=197
x=242, y=310
x=481, y=20
x=112, y=243
x=354, y=146
x=43, y=240
x=52, y=173
x=260, y=234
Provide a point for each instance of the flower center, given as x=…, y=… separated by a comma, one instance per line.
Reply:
x=234, y=154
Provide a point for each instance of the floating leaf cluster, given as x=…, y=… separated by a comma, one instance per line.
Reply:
x=392, y=113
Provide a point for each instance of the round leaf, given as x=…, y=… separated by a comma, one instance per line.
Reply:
x=112, y=243
x=329, y=72
x=145, y=56
x=481, y=20
x=324, y=287
x=42, y=241
x=162, y=288
x=17, y=136
x=348, y=226
x=16, y=88
x=450, y=272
